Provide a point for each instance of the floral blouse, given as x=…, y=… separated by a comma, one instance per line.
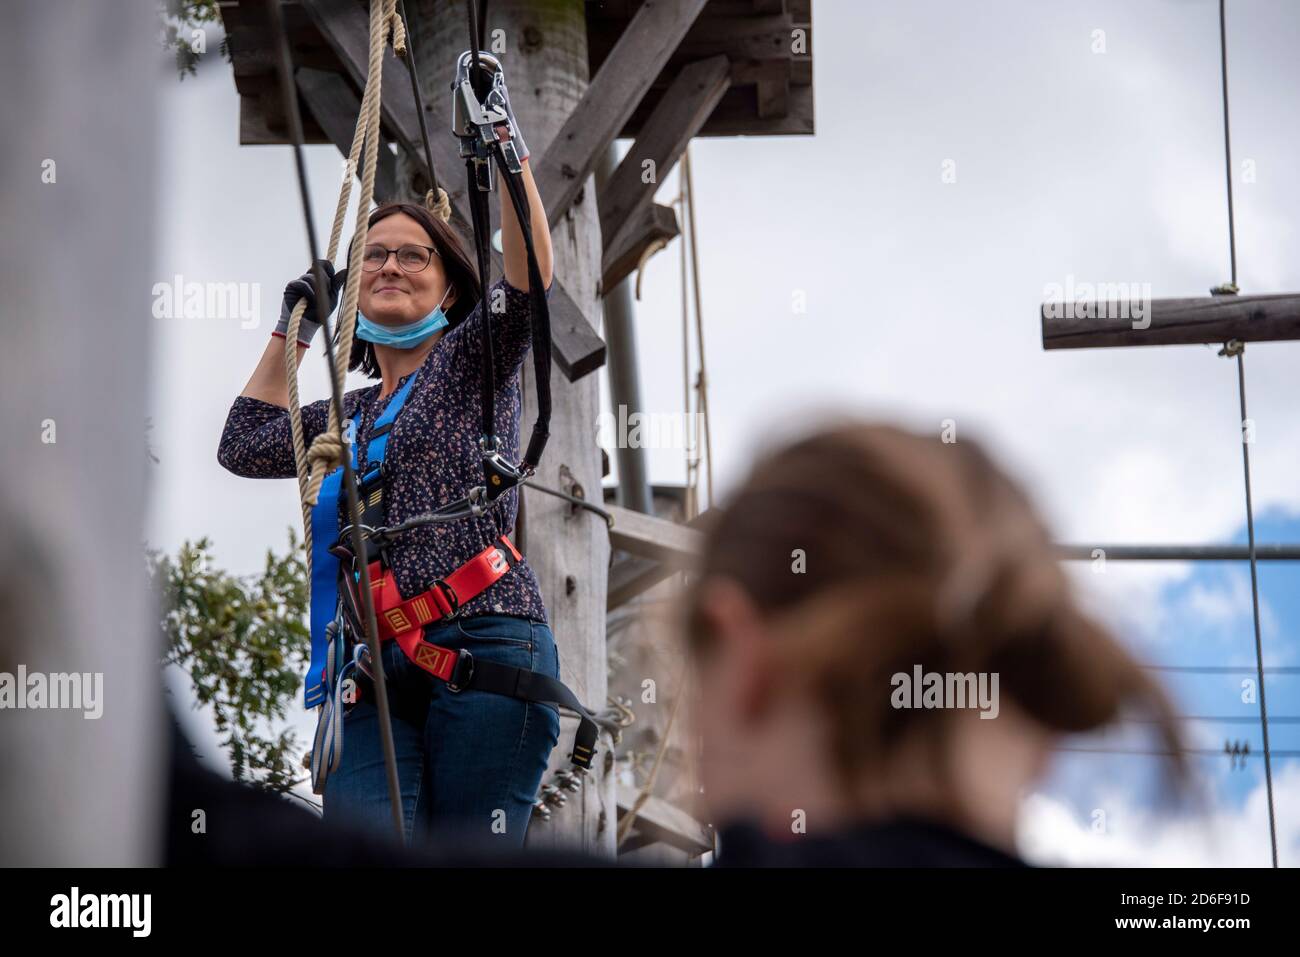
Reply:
x=432, y=456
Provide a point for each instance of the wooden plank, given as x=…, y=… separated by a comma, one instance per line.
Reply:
x=771, y=81
x=652, y=224
x=639, y=55
x=576, y=348
x=735, y=115
x=335, y=105
x=662, y=140
x=632, y=575
x=1174, y=322
x=253, y=61
x=740, y=37
x=649, y=537
x=664, y=822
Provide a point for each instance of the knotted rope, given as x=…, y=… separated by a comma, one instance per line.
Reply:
x=329, y=448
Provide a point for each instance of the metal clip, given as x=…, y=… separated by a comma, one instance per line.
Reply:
x=482, y=126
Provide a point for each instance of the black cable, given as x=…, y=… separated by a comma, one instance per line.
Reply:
x=1227, y=142
x=481, y=222
x=1211, y=718
x=289, y=94
x=539, y=316
x=1254, y=597
x=580, y=502
x=419, y=103
x=1245, y=445
x=1196, y=752
x=1219, y=669
x=475, y=80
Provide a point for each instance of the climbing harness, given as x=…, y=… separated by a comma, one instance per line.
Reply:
x=355, y=602
x=336, y=605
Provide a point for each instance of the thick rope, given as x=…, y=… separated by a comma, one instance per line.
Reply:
x=440, y=206
x=328, y=449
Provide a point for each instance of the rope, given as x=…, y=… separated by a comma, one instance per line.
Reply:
x=689, y=491
x=701, y=382
x=654, y=247
x=1238, y=349
x=625, y=825
x=328, y=450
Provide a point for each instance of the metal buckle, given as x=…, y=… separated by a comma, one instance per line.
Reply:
x=456, y=683
x=452, y=600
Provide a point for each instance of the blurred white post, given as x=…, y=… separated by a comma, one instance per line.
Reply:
x=78, y=179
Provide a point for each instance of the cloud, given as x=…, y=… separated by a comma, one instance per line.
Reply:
x=1052, y=833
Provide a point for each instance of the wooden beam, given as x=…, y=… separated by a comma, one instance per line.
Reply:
x=735, y=115
x=331, y=99
x=662, y=140
x=632, y=576
x=771, y=82
x=639, y=55
x=576, y=348
x=665, y=822
x=1173, y=322
x=654, y=223
x=649, y=537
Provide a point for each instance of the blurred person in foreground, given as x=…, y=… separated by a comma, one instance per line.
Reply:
x=847, y=564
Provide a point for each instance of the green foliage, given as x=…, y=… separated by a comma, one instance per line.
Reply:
x=245, y=644
x=177, y=19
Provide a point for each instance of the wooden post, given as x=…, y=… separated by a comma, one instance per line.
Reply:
x=543, y=49
x=77, y=269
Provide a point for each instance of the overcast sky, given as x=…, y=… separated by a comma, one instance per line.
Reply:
x=922, y=305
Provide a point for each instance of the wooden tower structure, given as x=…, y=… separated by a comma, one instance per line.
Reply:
x=581, y=74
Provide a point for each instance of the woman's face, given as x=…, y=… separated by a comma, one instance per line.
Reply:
x=393, y=296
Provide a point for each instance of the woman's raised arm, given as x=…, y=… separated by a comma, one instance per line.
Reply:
x=268, y=382
x=512, y=237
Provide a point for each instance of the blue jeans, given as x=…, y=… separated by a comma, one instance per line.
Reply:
x=469, y=763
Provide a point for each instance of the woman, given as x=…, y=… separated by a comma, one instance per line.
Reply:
x=845, y=565
x=470, y=761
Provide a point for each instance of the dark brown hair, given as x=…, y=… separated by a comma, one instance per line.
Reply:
x=461, y=274
x=917, y=552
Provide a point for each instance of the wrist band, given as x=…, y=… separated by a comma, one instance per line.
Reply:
x=278, y=334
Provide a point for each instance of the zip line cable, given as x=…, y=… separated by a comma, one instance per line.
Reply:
x=1238, y=349
x=437, y=199
x=1219, y=669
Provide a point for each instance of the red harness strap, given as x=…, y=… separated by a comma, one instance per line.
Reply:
x=404, y=620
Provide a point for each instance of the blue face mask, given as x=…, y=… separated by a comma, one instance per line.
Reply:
x=403, y=337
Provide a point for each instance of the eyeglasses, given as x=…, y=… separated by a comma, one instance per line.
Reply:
x=410, y=257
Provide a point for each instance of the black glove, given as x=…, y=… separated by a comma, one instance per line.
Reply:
x=304, y=287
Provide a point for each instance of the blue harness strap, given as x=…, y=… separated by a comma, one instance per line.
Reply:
x=324, y=534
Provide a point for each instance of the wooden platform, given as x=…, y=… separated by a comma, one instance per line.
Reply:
x=770, y=90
